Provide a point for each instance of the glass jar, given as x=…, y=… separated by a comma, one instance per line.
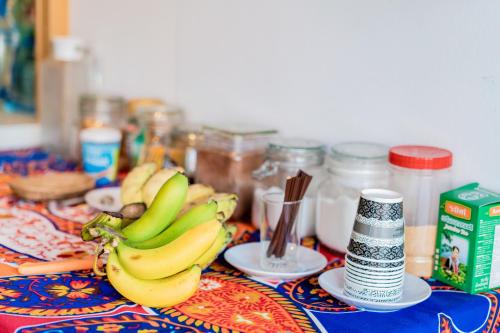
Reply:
x=421, y=174
x=182, y=149
x=102, y=111
x=226, y=157
x=352, y=167
x=158, y=122
x=134, y=135
x=284, y=158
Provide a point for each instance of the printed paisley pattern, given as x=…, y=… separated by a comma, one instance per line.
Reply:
x=380, y=211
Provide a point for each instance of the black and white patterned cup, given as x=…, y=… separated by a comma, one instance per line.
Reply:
x=375, y=255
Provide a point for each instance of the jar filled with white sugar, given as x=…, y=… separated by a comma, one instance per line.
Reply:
x=351, y=167
x=284, y=158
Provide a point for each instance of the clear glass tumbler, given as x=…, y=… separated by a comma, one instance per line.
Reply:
x=279, y=236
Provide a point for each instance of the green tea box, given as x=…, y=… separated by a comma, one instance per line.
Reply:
x=467, y=254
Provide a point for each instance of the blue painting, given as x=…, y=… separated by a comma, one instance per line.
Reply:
x=17, y=56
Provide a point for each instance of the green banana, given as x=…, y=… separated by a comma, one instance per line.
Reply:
x=154, y=293
x=196, y=216
x=223, y=238
x=163, y=210
x=171, y=258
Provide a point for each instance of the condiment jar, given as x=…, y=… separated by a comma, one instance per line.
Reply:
x=284, y=158
x=182, y=148
x=158, y=122
x=421, y=174
x=134, y=134
x=351, y=167
x=226, y=157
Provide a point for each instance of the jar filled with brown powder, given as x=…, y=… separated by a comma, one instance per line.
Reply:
x=227, y=155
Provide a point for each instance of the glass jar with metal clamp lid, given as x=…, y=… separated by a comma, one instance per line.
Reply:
x=284, y=158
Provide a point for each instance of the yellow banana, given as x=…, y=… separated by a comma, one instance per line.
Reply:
x=197, y=194
x=223, y=238
x=171, y=258
x=153, y=185
x=154, y=293
x=132, y=184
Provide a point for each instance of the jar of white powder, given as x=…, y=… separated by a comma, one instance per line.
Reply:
x=352, y=167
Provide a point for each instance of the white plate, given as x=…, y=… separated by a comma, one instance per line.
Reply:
x=415, y=290
x=246, y=258
x=105, y=199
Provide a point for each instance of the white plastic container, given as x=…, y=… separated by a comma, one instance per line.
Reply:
x=352, y=167
x=421, y=174
x=100, y=148
x=284, y=158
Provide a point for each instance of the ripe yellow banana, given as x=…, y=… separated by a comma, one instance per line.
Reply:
x=165, y=207
x=197, y=194
x=153, y=185
x=154, y=293
x=223, y=238
x=132, y=184
x=171, y=258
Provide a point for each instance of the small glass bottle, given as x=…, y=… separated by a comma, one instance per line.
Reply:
x=352, y=167
x=158, y=122
x=421, y=174
x=284, y=158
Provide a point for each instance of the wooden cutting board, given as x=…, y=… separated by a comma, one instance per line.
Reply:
x=51, y=186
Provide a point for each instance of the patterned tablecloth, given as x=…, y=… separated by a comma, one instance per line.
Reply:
x=226, y=301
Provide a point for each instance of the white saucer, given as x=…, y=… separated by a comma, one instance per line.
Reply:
x=246, y=258
x=105, y=199
x=415, y=290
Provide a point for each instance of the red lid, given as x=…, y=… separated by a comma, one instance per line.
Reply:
x=420, y=157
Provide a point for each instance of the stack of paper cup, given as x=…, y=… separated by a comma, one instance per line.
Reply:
x=375, y=262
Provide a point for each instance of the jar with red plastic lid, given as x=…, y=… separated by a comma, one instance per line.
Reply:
x=421, y=174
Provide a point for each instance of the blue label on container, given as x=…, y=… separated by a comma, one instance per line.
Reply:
x=100, y=160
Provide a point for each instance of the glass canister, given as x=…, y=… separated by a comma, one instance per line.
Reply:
x=421, y=174
x=182, y=149
x=102, y=111
x=134, y=134
x=284, y=158
x=158, y=122
x=226, y=157
x=351, y=167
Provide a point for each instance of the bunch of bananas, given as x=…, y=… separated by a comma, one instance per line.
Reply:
x=156, y=259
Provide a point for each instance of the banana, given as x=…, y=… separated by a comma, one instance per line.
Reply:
x=223, y=238
x=165, y=207
x=171, y=258
x=197, y=194
x=153, y=185
x=196, y=216
x=153, y=293
x=226, y=204
x=132, y=184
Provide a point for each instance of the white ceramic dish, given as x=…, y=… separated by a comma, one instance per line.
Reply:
x=104, y=199
x=415, y=291
x=246, y=258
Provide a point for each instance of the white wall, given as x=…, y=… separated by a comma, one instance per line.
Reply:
x=392, y=71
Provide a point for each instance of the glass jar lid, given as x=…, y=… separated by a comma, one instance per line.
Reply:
x=296, y=151
x=237, y=137
x=358, y=157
